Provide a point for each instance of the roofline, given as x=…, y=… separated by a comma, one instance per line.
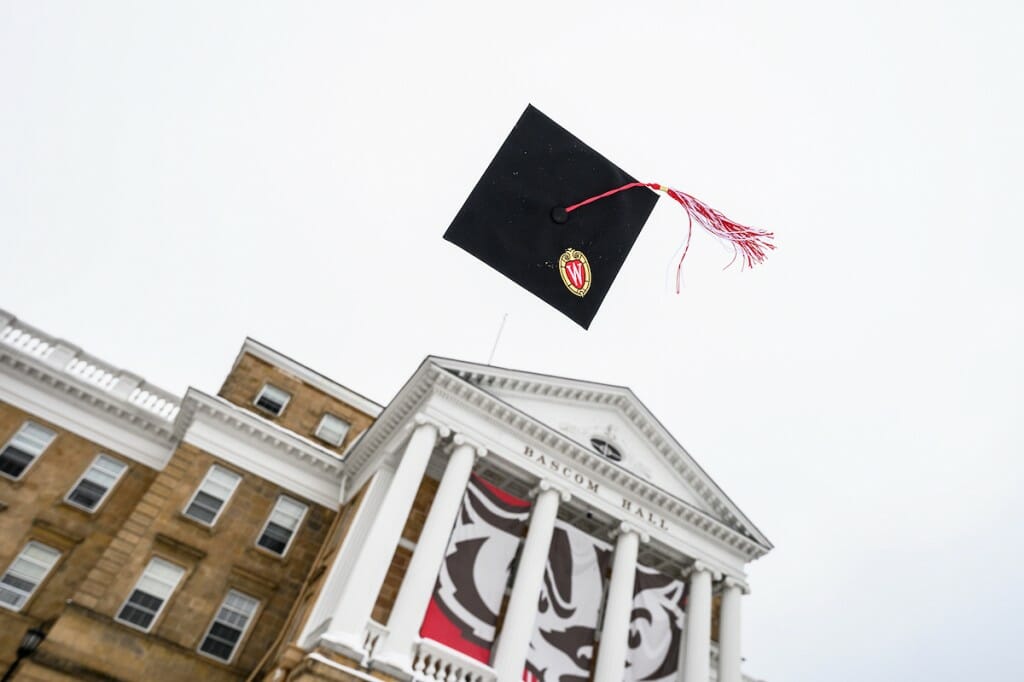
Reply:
x=512, y=370
x=449, y=363
x=308, y=375
x=432, y=372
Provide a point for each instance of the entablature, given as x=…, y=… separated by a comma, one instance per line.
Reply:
x=255, y=444
x=467, y=409
x=61, y=384
x=505, y=384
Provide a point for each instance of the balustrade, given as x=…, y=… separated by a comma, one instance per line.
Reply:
x=373, y=635
x=434, y=661
x=87, y=369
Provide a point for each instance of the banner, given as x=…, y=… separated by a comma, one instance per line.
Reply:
x=569, y=607
x=463, y=611
x=656, y=627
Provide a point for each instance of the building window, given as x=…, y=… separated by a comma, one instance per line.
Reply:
x=332, y=430
x=272, y=399
x=229, y=625
x=606, y=449
x=281, y=525
x=151, y=593
x=214, y=492
x=96, y=482
x=25, y=573
x=27, y=444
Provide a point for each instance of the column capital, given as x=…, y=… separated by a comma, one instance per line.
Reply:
x=699, y=566
x=422, y=420
x=627, y=527
x=478, y=450
x=545, y=485
x=733, y=581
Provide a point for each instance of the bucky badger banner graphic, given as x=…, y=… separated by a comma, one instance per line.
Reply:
x=562, y=646
x=656, y=627
x=463, y=611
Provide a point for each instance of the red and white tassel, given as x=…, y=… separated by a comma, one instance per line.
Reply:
x=750, y=244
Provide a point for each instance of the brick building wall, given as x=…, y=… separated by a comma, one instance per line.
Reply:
x=303, y=412
x=34, y=508
x=285, y=654
x=216, y=559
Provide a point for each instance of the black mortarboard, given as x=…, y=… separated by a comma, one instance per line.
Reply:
x=552, y=215
x=514, y=219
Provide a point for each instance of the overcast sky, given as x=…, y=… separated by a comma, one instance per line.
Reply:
x=175, y=176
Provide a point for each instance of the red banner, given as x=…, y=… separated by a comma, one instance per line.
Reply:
x=463, y=612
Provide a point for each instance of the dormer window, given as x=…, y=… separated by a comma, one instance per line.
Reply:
x=272, y=399
x=606, y=449
x=332, y=430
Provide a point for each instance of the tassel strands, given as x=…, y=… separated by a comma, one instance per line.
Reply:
x=750, y=245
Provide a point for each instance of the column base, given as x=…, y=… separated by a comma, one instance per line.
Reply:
x=390, y=663
x=345, y=643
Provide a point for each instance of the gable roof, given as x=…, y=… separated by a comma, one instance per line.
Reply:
x=500, y=383
x=310, y=376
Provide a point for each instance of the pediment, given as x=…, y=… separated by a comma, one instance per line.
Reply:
x=592, y=414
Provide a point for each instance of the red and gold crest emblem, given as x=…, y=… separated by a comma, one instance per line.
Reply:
x=575, y=271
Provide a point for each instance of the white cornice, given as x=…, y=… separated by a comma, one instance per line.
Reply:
x=45, y=377
x=309, y=376
x=257, y=445
x=454, y=388
x=433, y=378
x=69, y=365
x=399, y=411
x=85, y=394
x=624, y=401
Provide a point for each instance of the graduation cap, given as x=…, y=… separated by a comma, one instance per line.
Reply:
x=559, y=219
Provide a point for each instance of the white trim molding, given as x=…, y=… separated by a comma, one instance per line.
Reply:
x=467, y=403
x=115, y=422
x=261, y=447
x=624, y=401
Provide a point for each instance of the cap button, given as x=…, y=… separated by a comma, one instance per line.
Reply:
x=559, y=215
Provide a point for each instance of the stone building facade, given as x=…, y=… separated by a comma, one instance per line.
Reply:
x=288, y=528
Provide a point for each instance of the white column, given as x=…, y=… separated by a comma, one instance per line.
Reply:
x=417, y=586
x=353, y=610
x=611, y=654
x=346, y=557
x=514, y=641
x=729, y=656
x=696, y=666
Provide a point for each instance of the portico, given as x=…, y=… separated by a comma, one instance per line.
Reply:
x=529, y=436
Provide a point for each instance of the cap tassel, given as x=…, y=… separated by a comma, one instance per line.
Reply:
x=750, y=244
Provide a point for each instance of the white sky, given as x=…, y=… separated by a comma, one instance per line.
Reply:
x=176, y=176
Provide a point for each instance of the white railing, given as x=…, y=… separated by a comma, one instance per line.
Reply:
x=437, y=662
x=85, y=368
x=373, y=635
x=92, y=373
x=24, y=340
x=155, y=400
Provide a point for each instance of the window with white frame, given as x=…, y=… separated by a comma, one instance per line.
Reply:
x=27, y=444
x=211, y=496
x=282, y=524
x=332, y=429
x=151, y=593
x=272, y=399
x=229, y=625
x=25, y=574
x=98, y=480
